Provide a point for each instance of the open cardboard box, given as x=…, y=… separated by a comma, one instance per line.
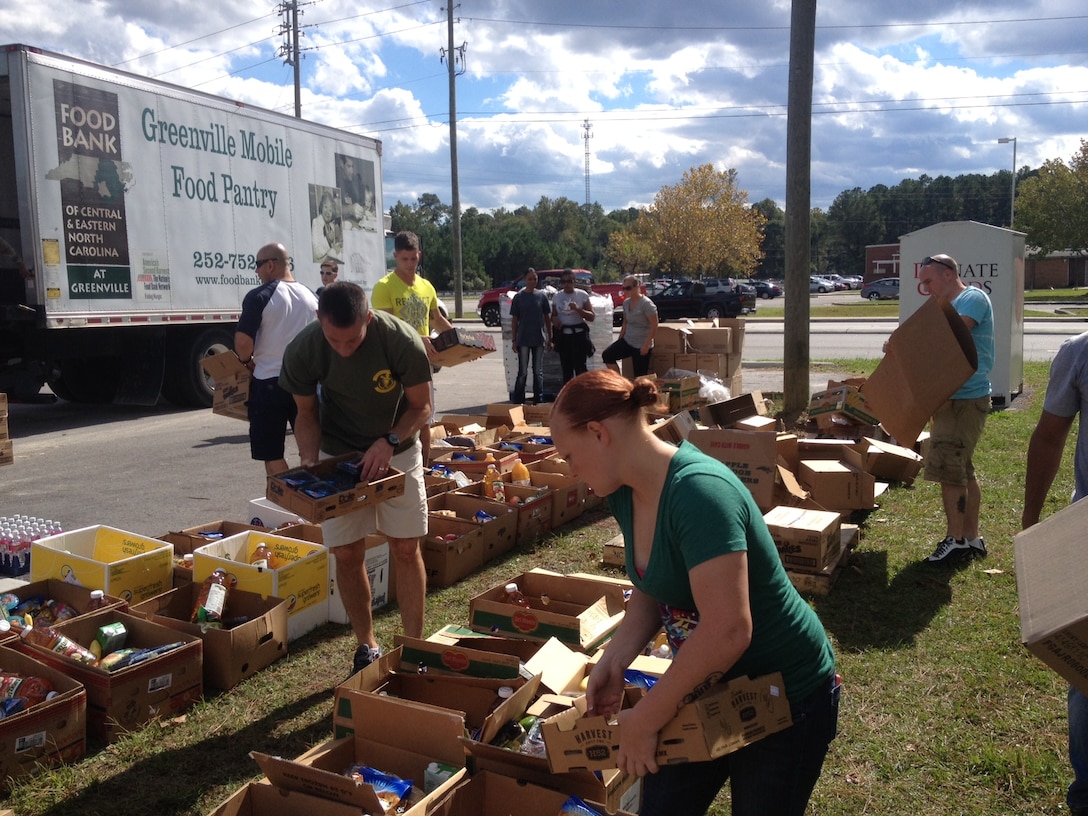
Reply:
x=49, y=733
x=261, y=798
x=232, y=382
x=230, y=655
x=493, y=794
x=728, y=717
x=906, y=387
x=342, y=502
x=579, y=612
x=387, y=734
x=467, y=657
x=122, y=700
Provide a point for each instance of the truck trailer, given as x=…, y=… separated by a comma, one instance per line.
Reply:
x=131, y=212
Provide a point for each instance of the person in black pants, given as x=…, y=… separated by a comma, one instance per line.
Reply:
x=571, y=316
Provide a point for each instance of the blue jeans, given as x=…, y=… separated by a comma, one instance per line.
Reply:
x=536, y=353
x=772, y=777
x=1077, y=796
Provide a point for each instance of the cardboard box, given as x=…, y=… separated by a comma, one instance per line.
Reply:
x=232, y=382
x=892, y=462
x=448, y=560
x=230, y=655
x=727, y=413
x=752, y=456
x=841, y=485
x=759, y=424
x=497, y=536
x=301, y=576
x=187, y=540
x=571, y=493
x=347, y=500
x=539, y=414
x=614, y=552
x=676, y=428
x=468, y=657
x=123, y=565
x=807, y=540
x=474, y=701
x=123, y=700
x=7, y=453
x=906, y=387
x=494, y=794
x=1050, y=559
x=670, y=339
x=712, y=340
x=728, y=717
x=50, y=733
x=263, y=513
x=73, y=595
x=580, y=613
x=455, y=346
x=845, y=401
x=475, y=462
x=533, y=505
x=261, y=798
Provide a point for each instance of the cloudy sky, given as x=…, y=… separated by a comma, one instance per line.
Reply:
x=900, y=90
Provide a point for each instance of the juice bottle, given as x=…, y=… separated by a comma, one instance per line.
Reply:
x=35, y=689
x=97, y=601
x=494, y=486
x=262, y=557
x=212, y=599
x=512, y=595
x=519, y=475
x=43, y=634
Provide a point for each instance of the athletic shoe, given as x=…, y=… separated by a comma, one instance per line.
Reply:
x=948, y=551
x=364, y=656
x=978, y=547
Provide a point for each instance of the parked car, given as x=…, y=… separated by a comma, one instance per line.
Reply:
x=855, y=281
x=839, y=282
x=488, y=306
x=819, y=285
x=766, y=289
x=691, y=299
x=882, y=289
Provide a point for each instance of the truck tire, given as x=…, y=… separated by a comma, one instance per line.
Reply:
x=715, y=310
x=87, y=379
x=185, y=384
x=491, y=315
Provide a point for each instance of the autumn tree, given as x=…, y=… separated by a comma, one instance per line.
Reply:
x=704, y=225
x=629, y=248
x=1052, y=206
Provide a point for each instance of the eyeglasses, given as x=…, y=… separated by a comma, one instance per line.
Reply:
x=939, y=261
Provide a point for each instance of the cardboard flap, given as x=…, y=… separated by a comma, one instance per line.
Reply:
x=223, y=366
x=929, y=357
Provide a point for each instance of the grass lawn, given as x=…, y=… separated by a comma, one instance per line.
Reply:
x=943, y=710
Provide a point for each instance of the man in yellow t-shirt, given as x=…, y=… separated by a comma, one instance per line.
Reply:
x=413, y=299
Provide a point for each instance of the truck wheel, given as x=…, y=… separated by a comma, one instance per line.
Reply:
x=491, y=316
x=87, y=379
x=714, y=311
x=185, y=383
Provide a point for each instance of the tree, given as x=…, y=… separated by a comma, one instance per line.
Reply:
x=703, y=225
x=1052, y=206
x=774, y=239
x=854, y=222
x=630, y=249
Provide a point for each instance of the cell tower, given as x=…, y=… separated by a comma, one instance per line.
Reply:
x=588, y=135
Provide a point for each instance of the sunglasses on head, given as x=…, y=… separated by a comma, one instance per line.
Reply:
x=939, y=261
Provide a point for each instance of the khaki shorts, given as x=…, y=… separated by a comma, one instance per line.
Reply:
x=957, y=427
x=402, y=517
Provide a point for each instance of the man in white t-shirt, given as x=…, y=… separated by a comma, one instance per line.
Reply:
x=272, y=314
x=571, y=315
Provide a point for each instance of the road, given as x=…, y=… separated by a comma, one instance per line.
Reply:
x=153, y=470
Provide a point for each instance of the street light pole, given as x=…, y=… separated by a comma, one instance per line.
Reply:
x=1012, y=197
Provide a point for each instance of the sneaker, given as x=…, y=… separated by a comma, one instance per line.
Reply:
x=949, y=550
x=978, y=547
x=364, y=656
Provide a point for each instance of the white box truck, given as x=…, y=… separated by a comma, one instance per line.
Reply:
x=131, y=212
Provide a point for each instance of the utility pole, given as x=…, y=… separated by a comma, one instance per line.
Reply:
x=455, y=65
x=795, y=369
x=588, y=135
x=290, y=50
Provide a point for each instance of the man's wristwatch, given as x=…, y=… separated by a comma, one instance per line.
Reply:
x=392, y=439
